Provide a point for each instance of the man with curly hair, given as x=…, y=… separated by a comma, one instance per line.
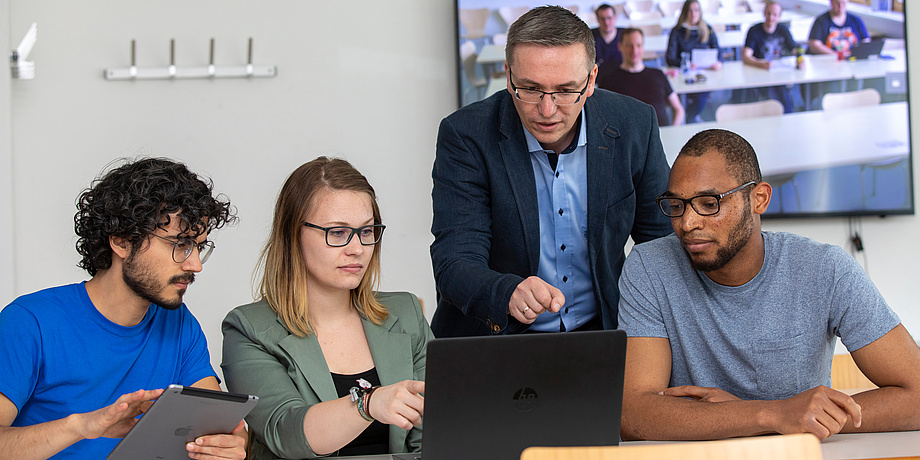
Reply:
x=81, y=361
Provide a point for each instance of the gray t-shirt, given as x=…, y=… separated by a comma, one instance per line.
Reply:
x=768, y=339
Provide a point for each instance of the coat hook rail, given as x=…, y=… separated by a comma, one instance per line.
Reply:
x=172, y=71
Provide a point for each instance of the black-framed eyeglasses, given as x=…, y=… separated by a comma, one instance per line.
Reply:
x=534, y=96
x=704, y=205
x=182, y=248
x=337, y=237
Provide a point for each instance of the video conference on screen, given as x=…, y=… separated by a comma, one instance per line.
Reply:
x=832, y=132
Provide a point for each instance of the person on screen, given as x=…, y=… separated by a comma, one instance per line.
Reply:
x=538, y=188
x=732, y=329
x=606, y=35
x=78, y=357
x=765, y=43
x=337, y=365
x=691, y=32
x=836, y=31
x=646, y=84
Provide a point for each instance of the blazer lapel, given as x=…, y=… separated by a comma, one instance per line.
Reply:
x=306, y=352
x=600, y=150
x=391, y=350
x=519, y=169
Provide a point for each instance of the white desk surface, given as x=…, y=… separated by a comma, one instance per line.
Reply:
x=736, y=75
x=849, y=446
x=809, y=140
x=853, y=446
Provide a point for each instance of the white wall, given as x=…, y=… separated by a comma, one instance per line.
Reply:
x=366, y=80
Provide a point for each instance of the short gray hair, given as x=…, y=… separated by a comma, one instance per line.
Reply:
x=550, y=26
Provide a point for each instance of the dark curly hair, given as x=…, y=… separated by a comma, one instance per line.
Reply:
x=135, y=199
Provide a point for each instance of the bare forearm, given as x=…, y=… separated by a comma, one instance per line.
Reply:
x=887, y=409
x=38, y=442
x=656, y=417
x=331, y=425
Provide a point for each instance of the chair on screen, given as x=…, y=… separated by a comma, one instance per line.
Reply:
x=468, y=61
x=639, y=6
x=778, y=181
x=670, y=9
x=886, y=183
x=767, y=108
x=474, y=21
x=788, y=447
x=863, y=97
x=510, y=14
x=845, y=375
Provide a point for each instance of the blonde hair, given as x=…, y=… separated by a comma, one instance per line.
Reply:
x=284, y=279
x=701, y=26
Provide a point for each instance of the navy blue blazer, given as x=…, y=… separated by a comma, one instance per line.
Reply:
x=486, y=227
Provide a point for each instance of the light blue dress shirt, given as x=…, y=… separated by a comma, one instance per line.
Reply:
x=562, y=200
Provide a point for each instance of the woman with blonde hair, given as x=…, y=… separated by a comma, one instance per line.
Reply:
x=337, y=365
x=691, y=32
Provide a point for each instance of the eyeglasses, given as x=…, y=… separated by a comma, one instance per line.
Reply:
x=337, y=237
x=704, y=205
x=534, y=96
x=182, y=248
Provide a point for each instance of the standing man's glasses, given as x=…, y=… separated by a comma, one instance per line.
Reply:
x=337, y=237
x=704, y=205
x=182, y=248
x=534, y=96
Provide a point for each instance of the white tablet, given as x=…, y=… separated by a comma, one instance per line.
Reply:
x=177, y=417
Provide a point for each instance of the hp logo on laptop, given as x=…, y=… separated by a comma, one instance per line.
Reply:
x=525, y=399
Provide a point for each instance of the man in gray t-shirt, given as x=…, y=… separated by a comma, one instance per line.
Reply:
x=732, y=329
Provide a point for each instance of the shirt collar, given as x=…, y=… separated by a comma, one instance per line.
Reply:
x=533, y=145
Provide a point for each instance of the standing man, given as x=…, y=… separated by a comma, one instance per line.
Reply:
x=606, y=35
x=537, y=188
x=765, y=43
x=646, y=84
x=732, y=329
x=836, y=31
x=78, y=358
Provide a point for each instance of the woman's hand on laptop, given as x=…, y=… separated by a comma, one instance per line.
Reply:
x=400, y=404
x=215, y=446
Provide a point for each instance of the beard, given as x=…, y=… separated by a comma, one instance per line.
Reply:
x=738, y=237
x=141, y=279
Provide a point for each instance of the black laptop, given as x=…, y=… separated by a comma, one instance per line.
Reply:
x=493, y=397
x=862, y=50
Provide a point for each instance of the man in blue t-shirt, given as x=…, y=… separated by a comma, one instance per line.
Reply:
x=732, y=329
x=836, y=31
x=82, y=361
x=765, y=43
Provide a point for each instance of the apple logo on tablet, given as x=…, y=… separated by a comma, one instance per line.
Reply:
x=183, y=431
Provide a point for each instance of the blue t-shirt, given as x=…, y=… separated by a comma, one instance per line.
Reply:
x=60, y=356
x=769, y=46
x=770, y=338
x=838, y=38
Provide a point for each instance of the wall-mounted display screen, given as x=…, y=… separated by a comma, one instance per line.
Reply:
x=829, y=117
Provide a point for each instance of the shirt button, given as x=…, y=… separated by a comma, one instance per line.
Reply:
x=565, y=278
x=557, y=173
x=566, y=309
x=562, y=247
x=560, y=211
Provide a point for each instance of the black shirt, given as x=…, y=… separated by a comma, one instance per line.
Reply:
x=374, y=439
x=650, y=86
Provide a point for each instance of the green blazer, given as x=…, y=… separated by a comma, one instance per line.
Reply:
x=289, y=373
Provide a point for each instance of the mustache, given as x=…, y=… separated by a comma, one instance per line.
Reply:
x=185, y=278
